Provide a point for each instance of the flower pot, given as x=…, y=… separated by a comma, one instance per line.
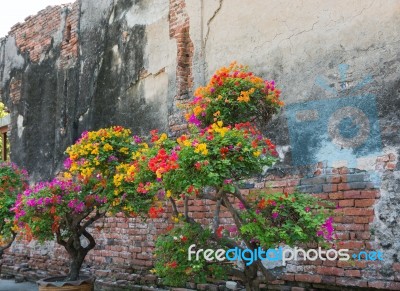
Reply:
x=85, y=283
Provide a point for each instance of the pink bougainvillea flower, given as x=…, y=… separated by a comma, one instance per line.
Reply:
x=193, y=119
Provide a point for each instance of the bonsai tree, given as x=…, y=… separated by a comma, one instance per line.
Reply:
x=13, y=180
x=65, y=208
x=222, y=147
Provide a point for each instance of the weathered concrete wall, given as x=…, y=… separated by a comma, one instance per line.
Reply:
x=98, y=63
x=80, y=67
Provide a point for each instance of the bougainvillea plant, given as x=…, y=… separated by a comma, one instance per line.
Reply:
x=234, y=95
x=111, y=170
x=13, y=180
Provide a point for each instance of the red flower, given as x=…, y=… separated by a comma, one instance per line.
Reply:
x=155, y=212
x=118, y=128
x=197, y=165
x=224, y=151
x=262, y=204
x=154, y=135
x=219, y=231
x=172, y=265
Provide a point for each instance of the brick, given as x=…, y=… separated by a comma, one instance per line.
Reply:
x=313, y=181
x=358, y=211
x=344, y=219
x=288, y=277
x=352, y=273
x=364, y=235
x=351, y=282
x=364, y=202
x=351, y=194
x=351, y=245
x=363, y=219
x=276, y=184
x=396, y=267
x=377, y=284
x=351, y=226
x=342, y=235
x=310, y=188
x=330, y=280
x=353, y=186
x=346, y=203
x=333, y=179
x=370, y=194
x=323, y=270
x=329, y=188
x=292, y=183
x=308, y=278
x=354, y=178
x=338, y=195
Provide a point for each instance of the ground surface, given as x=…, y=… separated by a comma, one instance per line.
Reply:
x=10, y=285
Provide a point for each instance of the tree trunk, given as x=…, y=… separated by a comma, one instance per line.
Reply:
x=77, y=258
x=252, y=282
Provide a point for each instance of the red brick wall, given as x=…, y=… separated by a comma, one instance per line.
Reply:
x=36, y=35
x=125, y=245
x=179, y=29
x=15, y=90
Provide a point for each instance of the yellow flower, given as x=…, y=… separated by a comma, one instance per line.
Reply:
x=162, y=138
x=201, y=148
x=95, y=151
x=74, y=167
x=87, y=172
x=220, y=123
x=216, y=114
x=168, y=194
x=117, y=179
x=244, y=97
x=257, y=153
x=124, y=150
x=135, y=155
x=67, y=175
x=107, y=147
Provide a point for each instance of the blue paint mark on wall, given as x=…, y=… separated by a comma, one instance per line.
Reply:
x=334, y=129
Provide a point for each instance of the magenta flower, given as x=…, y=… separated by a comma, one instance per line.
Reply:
x=112, y=159
x=67, y=163
x=193, y=119
x=327, y=229
x=275, y=215
x=307, y=209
